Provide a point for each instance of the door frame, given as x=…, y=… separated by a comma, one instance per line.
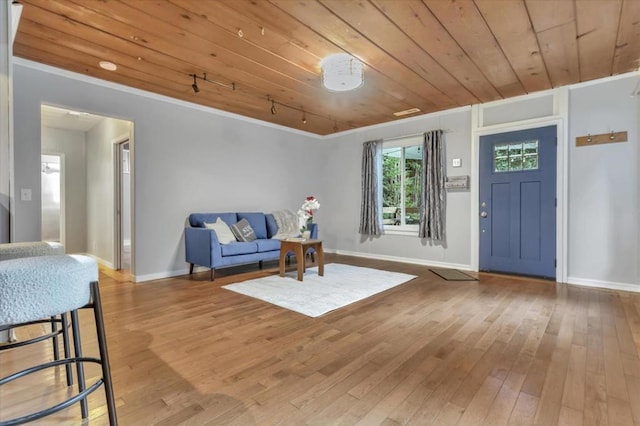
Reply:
x=559, y=119
x=117, y=197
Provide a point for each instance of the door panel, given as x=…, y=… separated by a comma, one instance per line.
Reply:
x=517, y=202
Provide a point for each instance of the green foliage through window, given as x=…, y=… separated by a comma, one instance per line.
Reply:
x=402, y=184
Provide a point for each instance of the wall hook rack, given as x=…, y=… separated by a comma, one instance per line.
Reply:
x=611, y=137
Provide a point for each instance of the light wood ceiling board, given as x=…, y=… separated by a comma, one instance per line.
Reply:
x=510, y=24
x=263, y=13
x=547, y=14
x=317, y=18
x=359, y=103
x=199, y=35
x=597, y=33
x=555, y=26
x=627, y=53
x=365, y=18
x=160, y=45
x=415, y=20
x=464, y=22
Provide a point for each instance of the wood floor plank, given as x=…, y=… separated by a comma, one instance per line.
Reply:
x=502, y=350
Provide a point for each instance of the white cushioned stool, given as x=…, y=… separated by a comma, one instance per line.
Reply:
x=30, y=249
x=33, y=288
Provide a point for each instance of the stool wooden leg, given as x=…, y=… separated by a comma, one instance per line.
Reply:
x=75, y=325
x=104, y=354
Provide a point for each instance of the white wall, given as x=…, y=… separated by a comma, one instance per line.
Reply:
x=100, y=186
x=71, y=144
x=184, y=160
x=342, y=186
x=603, y=186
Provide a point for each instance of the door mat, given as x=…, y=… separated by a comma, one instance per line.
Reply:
x=452, y=274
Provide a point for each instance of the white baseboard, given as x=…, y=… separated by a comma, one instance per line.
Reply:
x=99, y=260
x=433, y=263
x=609, y=285
x=160, y=275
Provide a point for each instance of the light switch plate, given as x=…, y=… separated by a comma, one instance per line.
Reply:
x=25, y=194
x=457, y=162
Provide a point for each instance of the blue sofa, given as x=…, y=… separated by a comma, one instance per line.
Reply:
x=202, y=247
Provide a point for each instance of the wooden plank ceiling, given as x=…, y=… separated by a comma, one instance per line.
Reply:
x=426, y=54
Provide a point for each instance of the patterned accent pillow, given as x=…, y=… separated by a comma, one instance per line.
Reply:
x=243, y=231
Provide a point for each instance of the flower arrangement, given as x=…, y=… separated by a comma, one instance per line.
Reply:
x=305, y=214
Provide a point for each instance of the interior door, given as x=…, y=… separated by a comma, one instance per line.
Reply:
x=518, y=202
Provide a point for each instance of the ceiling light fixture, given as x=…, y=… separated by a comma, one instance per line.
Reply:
x=273, y=107
x=196, y=89
x=304, y=117
x=342, y=72
x=109, y=66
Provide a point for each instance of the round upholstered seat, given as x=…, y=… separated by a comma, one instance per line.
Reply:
x=37, y=248
x=32, y=288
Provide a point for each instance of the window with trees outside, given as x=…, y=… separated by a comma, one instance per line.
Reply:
x=402, y=183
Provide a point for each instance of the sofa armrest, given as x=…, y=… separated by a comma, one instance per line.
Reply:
x=202, y=247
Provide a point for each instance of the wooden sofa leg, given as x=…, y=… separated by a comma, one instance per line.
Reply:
x=212, y=271
x=191, y=269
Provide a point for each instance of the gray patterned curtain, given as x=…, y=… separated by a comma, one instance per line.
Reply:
x=432, y=209
x=371, y=205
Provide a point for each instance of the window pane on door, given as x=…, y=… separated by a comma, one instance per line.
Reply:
x=515, y=156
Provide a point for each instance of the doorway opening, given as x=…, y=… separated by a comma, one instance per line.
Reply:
x=91, y=188
x=52, y=182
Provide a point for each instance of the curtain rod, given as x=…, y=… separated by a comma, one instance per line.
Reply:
x=410, y=136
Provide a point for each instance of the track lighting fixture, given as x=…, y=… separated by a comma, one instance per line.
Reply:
x=196, y=89
x=304, y=117
x=273, y=107
x=194, y=86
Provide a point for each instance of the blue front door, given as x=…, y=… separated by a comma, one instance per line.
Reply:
x=518, y=202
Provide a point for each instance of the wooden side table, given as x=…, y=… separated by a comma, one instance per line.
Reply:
x=299, y=248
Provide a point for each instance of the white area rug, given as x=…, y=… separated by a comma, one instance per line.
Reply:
x=341, y=285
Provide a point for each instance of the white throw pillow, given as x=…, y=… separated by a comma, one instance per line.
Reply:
x=225, y=236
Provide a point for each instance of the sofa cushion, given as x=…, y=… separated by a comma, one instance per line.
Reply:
x=257, y=222
x=197, y=220
x=268, y=245
x=243, y=231
x=272, y=225
x=233, y=249
x=223, y=232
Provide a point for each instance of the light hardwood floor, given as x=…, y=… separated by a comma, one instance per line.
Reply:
x=499, y=351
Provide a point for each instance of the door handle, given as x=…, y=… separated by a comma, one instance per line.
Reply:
x=483, y=214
